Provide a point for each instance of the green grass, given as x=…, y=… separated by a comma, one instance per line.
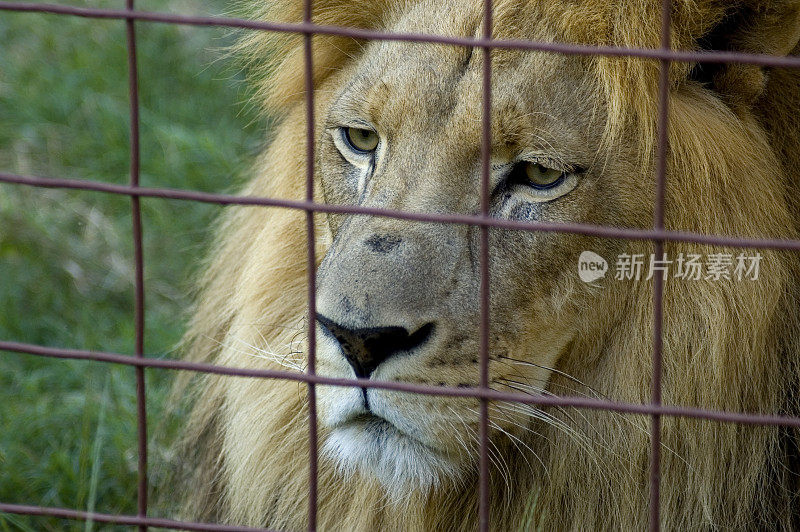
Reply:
x=68, y=428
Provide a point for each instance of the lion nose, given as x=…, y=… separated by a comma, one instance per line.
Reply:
x=366, y=349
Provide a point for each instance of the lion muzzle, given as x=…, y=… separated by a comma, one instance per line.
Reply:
x=381, y=291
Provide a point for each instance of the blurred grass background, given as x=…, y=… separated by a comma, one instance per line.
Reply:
x=68, y=428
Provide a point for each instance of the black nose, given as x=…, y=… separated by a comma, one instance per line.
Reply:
x=366, y=349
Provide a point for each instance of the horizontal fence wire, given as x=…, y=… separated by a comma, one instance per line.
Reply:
x=600, y=231
x=716, y=56
x=119, y=519
x=445, y=391
x=658, y=235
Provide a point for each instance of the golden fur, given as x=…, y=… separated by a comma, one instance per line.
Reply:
x=734, y=167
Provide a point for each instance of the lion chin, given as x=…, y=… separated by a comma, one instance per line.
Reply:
x=372, y=447
x=367, y=436
x=573, y=140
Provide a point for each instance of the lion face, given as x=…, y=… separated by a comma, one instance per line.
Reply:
x=573, y=140
x=398, y=300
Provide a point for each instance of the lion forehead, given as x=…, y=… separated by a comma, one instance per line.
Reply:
x=415, y=89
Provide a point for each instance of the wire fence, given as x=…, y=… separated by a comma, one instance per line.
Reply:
x=658, y=235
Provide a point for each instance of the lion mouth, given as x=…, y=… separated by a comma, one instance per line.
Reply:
x=373, y=424
x=376, y=425
x=383, y=431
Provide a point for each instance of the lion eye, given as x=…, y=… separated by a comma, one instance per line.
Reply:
x=363, y=140
x=541, y=177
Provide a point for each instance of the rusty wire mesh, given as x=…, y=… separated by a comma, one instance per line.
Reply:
x=658, y=235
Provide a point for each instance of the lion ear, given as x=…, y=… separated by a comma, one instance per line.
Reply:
x=749, y=26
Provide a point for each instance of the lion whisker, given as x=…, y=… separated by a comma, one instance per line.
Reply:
x=264, y=354
x=536, y=390
x=553, y=370
x=536, y=413
x=495, y=456
x=516, y=440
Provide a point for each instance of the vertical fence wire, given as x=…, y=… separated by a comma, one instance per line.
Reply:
x=658, y=280
x=486, y=154
x=312, y=272
x=136, y=222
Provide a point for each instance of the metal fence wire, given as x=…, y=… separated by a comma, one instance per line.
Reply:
x=658, y=235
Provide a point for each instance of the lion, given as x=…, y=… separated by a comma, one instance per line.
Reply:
x=573, y=139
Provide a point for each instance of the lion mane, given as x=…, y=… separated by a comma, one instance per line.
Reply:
x=727, y=346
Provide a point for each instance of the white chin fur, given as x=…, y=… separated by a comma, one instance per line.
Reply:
x=370, y=446
x=374, y=448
